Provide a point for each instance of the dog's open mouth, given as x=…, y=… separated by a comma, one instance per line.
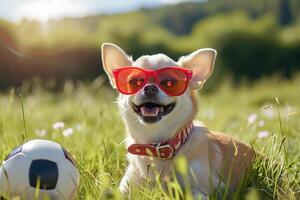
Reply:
x=151, y=112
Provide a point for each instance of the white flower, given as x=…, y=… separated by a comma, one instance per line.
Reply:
x=263, y=134
x=252, y=118
x=269, y=113
x=58, y=125
x=261, y=123
x=41, y=132
x=68, y=132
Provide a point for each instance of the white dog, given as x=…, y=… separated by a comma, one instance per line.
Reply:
x=158, y=103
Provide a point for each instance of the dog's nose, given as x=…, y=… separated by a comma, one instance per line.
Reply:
x=150, y=90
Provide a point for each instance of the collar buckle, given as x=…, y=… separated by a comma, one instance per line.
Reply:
x=162, y=155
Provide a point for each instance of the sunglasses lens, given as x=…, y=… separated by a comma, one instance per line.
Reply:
x=173, y=81
x=130, y=80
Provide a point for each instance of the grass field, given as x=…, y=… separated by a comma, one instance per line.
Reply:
x=266, y=115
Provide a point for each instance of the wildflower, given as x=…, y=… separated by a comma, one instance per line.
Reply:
x=269, y=113
x=263, y=134
x=261, y=123
x=252, y=118
x=41, y=132
x=68, y=132
x=58, y=125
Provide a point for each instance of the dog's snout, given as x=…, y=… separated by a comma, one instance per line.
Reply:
x=150, y=90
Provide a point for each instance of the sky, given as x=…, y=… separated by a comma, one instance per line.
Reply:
x=43, y=10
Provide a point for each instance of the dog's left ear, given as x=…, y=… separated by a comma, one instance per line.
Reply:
x=201, y=62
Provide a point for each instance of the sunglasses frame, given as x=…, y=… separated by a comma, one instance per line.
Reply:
x=153, y=73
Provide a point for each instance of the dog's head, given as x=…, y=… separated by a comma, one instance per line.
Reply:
x=150, y=114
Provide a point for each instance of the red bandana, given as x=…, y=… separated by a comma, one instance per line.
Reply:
x=163, y=150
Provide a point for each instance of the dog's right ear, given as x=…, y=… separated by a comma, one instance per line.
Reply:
x=113, y=57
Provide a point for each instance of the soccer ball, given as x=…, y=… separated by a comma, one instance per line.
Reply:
x=39, y=168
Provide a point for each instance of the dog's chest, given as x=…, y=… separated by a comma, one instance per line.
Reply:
x=194, y=151
x=149, y=167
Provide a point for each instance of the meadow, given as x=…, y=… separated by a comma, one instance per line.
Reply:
x=84, y=118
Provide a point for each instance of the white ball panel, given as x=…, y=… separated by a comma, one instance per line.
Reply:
x=42, y=195
x=41, y=149
x=17, y=169
x=68, y=180
x=3, y=182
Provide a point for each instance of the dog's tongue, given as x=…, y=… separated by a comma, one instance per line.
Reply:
x=150, y=112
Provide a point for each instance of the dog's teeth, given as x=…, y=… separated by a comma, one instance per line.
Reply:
x=150, y=112
x=161, y=109
x=143, y=111
x=156, y=112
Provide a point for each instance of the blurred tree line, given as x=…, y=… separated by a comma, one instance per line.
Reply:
x=253, y=38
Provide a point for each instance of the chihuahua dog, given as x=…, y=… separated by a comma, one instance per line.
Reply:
x=158, y=103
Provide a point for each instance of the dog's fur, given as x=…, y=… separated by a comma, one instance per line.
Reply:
x=212, y=157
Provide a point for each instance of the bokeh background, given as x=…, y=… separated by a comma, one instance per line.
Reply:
x=52, y=41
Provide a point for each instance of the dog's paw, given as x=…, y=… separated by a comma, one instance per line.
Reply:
x=124, y=185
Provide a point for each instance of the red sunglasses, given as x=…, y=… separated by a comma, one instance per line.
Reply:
x=172, y=80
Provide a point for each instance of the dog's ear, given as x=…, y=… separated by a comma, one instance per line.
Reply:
x=201, y=62
x=113, y=57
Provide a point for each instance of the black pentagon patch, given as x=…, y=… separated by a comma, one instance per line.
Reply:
x=69, y=157
x=45, y=173
x=15, y=151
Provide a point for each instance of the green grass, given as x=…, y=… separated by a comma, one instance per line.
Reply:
x=97, y=141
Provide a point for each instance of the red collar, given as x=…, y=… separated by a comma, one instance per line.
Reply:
x=163, y=150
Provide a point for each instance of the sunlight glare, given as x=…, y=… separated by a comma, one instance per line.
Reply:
x=44, y=10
